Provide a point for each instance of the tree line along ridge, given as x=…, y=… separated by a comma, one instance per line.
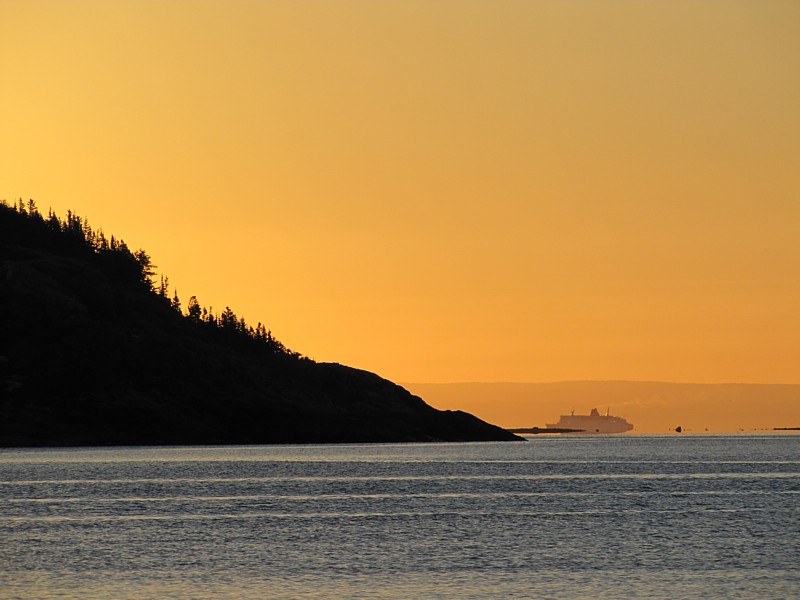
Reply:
x=74, y=235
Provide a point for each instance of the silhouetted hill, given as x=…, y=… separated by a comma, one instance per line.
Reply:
x=92, y=353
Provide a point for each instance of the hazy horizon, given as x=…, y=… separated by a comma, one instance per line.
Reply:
x=596, y=381
x=652, y=407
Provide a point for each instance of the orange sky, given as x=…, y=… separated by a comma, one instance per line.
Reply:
x=438, y=191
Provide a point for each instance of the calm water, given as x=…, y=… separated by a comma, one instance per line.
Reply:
x=560, y=517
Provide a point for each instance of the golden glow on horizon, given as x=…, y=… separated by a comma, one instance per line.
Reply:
x=448, y=191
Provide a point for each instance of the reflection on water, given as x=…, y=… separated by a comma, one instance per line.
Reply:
x=555, y=517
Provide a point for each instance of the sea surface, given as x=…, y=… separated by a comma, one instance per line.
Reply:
x=554, y=517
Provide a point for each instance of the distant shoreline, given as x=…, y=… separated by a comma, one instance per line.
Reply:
x=652, y=407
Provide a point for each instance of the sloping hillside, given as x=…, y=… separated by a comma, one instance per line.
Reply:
x=92, y=354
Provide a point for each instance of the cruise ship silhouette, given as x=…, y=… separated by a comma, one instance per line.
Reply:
x=594, y=422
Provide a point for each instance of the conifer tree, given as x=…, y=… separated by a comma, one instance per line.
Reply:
x=193, y=310
x=146, y=266
x=227, y=320
x=163, y=287
x=176, y=303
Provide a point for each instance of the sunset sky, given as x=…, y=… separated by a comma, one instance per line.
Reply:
x=437, y=191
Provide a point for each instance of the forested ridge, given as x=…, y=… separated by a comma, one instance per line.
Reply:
x=95, y=349
x=73, y=235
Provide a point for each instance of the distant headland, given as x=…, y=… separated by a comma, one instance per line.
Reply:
x=95, y=351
